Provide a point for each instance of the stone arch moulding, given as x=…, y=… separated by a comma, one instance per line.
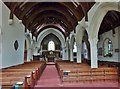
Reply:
x=98, y=15
x=79, y=34
x=54, y=31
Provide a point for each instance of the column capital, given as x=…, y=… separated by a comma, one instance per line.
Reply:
x=85, y=24
x=20, y=21
x=63, y=48
x=78, y=45
x=93, y=40
x=72, y=33
x=78, y=26
x=79, y=22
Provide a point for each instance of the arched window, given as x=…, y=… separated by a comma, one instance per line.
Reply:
x=51, y=45
x=108, y=48
x=75, y=47
x=85, y=51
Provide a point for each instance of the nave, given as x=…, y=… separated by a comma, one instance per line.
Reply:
x=74, y=43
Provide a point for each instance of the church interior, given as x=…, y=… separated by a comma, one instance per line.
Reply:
x=59, y=44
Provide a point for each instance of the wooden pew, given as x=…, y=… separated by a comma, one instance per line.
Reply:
x=29, y=73
x=11, y=79
x=8, y=82
x=74, y=73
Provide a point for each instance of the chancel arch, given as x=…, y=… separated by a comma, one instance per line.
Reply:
x=52, y=40
x=55, y=32
x=51, y=47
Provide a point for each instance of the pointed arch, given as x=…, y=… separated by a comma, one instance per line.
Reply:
x=75, y=47
x=54, y=31
x=97, y=16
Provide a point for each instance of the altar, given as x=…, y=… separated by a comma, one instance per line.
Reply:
x=51, y=55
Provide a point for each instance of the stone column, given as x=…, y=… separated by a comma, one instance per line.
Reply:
x=63, y=54
x=94, y=58
x=79, y=58
x=71, y=54
x=67, y=50
x=67, y=53
x=29, y=54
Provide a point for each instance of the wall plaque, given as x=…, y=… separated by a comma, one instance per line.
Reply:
x=116, y=50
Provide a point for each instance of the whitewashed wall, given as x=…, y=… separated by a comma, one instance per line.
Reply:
x=0, y=49
x=114, y=40
x=0, y=13
x=0, y=36
x=11, y=33
x=119, y=44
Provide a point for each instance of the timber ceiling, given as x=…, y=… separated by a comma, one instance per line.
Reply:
x=36, y=16
x=110, y=22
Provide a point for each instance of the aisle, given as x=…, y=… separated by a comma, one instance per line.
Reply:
x=49, y=78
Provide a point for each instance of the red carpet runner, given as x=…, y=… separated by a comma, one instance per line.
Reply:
x=50, y=78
